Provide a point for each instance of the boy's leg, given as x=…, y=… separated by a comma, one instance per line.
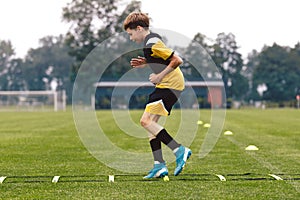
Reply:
x=159, y=169
x=161, y=102
x=159, y=134
x=151, y=125
x=155, y=144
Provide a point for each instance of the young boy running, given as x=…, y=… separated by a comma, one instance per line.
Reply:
x=169, y=83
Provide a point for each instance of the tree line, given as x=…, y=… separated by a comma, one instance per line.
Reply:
x=272, y=74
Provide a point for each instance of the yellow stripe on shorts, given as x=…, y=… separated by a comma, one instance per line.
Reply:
x=157, y=108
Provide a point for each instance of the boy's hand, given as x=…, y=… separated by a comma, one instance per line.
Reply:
x=155, y=78
x=138, y=62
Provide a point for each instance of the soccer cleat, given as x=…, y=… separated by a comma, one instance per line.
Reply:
x=159, y=170
x=182, y=155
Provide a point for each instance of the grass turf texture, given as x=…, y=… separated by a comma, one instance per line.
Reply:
x=35, y=146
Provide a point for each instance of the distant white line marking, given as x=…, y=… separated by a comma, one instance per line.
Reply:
x=278, y=178
x=55, y=179
x=2, y=178
x=222, y=178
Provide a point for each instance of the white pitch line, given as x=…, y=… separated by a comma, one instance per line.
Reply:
x=266, y=164
x=2, y=178
x=55, y=179
x=278, y=178
x=111, y=178
x=221, y=177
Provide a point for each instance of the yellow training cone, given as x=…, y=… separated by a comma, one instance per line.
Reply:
x=251, y=148
x=206, y=125
x=199, y=122
x=228, y=133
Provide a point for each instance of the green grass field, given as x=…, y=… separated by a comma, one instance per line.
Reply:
x=35, y=146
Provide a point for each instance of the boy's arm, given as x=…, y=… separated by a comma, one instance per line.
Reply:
x=139, y=62
x=175, y=61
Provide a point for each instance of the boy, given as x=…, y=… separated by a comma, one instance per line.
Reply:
x=169, y=83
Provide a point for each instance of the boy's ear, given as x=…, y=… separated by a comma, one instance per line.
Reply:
x=139, y=28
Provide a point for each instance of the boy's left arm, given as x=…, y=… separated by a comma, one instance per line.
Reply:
x=139, y=62
x=175, y=61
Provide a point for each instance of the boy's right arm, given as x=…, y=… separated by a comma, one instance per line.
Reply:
x=139, y=62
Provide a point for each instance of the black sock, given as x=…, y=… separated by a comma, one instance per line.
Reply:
x=156, y=150
x=167, y=139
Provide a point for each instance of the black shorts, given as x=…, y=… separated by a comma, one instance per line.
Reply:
x=168, y=97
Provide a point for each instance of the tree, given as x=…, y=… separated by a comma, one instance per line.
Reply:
x=230, y=63
x=93, y=21
x=15, y=76
x=252, y=62
x=198, y=53
x=294, y=66
x=10, y=72
x=50, y=63
x=278, y=69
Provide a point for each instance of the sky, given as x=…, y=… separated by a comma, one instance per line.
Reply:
x=24, y=22
x=254, y=23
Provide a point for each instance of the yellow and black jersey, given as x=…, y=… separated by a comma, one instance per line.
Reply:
x=158, y=57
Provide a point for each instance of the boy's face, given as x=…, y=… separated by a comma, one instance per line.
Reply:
x=136, y=35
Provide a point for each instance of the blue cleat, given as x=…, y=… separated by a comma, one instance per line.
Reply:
x=182, y=155
x=159, y=170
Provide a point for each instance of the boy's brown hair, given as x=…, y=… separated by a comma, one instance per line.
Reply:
x=136, y=19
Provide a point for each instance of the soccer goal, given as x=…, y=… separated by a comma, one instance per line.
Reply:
x=32, y=100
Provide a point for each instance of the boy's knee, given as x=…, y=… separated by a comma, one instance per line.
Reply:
x=151, y=136
x=151, y=126
x=145, y=121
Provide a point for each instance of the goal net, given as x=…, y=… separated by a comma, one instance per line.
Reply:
x=32, y=100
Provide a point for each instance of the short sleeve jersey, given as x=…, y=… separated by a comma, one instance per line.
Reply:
x=158, y=57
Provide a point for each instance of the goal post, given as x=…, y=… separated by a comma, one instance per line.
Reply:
x=33, y=100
